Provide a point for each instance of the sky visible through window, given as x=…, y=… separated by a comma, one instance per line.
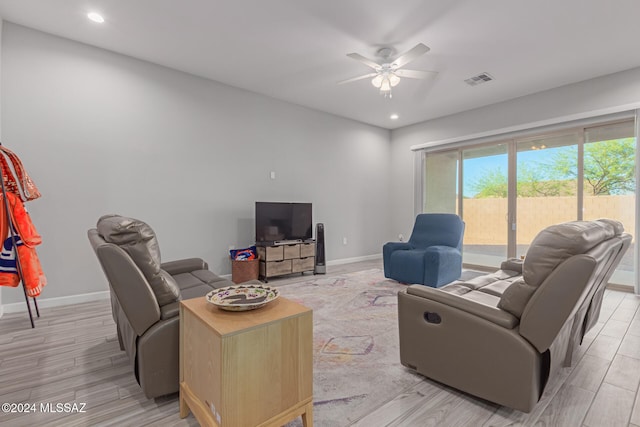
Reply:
x=609, y=169
x=474, y=169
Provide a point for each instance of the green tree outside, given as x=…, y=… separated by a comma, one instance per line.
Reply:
x=492, y=184
x=609, y=166
x=609, y=169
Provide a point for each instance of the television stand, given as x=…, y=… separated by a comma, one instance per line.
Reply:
x=280, y=259
x=286, y=242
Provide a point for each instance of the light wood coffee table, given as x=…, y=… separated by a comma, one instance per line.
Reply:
x=251, y=368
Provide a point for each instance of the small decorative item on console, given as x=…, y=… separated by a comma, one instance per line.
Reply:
x=242, y=297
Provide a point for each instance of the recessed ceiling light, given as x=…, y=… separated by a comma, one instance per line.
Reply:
x=95, y=17
x=394, y=117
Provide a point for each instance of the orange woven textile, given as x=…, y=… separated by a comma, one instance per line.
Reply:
x=26, y=238
x=16, y=179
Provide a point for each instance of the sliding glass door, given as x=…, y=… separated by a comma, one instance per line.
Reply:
x=506, y=192
x=610, y=183
x=546, y=185
x=484, y=204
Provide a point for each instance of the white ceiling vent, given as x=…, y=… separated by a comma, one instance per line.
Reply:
x=480, y=78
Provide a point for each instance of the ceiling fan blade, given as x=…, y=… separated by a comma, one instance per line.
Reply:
x=364, y=60
x=366, y=76
x=415, y=74
x=413, y=53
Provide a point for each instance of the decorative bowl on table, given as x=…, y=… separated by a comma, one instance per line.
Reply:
x=242, y=297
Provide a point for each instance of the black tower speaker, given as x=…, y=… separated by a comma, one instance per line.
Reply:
x=321, y=266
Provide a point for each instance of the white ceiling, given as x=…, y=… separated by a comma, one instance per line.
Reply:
x=295, y=50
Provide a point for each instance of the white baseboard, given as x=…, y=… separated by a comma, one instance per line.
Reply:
x=18, y=307
x=354, y=259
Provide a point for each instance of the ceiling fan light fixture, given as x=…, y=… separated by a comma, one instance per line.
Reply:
x=387, y=74
x=385, y=87
x=393, y=79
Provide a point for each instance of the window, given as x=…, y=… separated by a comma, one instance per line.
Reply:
x=441, y=183
x=507, y=191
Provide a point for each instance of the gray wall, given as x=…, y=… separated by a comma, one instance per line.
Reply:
x=104, y=133
x=614, y=90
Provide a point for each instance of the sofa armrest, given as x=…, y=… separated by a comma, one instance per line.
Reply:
x=158, y=358
x=555, y=301
x=390, y=248
x=513, y=264
x=170, y=310
x=442, y=265
x=486, y=312
x=394, y=246
x=184, y=266
x=468, y=352
x=442, y=251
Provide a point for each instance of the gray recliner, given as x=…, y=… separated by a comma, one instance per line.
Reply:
x=145, y=297
x=502, y=336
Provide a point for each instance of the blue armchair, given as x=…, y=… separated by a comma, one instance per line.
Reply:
x=433, y=254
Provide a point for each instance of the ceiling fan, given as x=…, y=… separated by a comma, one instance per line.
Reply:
x=388, y=72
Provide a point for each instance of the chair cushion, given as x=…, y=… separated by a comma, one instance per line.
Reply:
x=456, y=288
x=197, y=291
x=516, y=297
x=558, y=242
x=437, y=229
x=210, y=278
x=481, y=282
x=551, y=247
x=186, y=280
x=139, y=241
x=200, y=277
x=482, y=298
x=497, y=288
x=492, y=284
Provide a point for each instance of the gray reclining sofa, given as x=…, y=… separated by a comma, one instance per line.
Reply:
x=145, y=297
x=502, y=336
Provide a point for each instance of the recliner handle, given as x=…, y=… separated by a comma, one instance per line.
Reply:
x=432, y=317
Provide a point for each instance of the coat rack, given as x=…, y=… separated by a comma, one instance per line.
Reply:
x=15, y=247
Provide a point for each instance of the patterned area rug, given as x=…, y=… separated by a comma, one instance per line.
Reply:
x=356, y=357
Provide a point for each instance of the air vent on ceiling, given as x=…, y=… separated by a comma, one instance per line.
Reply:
x=480, y=78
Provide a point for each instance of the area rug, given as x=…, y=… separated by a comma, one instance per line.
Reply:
x=356, y=359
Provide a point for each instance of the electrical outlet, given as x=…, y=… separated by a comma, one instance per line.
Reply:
x=344, y=240
x=272, y=175
x=401, y=237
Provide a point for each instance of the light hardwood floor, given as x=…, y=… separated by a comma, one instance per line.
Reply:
x=72, y=356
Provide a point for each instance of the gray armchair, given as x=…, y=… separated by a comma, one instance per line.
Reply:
x=502, y=336
x=145, y=297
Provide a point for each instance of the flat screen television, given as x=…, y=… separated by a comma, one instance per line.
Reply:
x=282, y=222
